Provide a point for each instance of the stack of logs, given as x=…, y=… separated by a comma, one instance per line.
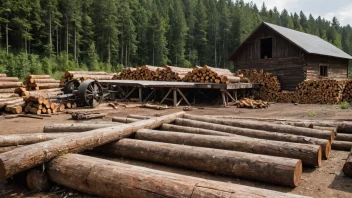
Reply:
x=251, y=104
x=253, y=150
x=40, y=82
x=324, y=91
x=270, y=85
x=8, y=86
x=84, y=75
x=208, y=74
x=347, y=93
x=40, y=105
x=13, y=105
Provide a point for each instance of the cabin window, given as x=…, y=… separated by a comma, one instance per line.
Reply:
x=266, y=48
x=323, y=71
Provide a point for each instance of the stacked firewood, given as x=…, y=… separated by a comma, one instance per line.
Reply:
x=12, y=105
x=251, y=104
x=170, y=73
x=126, y=74
x=42, y=92
x=84, y=75
x=347, y=93
x=208, y=74
x=40, y=105
x=326, y=91
x=40, y=82
x=270, y=85
x=8, y=86
x=287, y=97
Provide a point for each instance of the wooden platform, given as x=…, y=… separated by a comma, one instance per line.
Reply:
x=175, y=88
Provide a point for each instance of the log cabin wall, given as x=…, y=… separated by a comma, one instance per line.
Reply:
x=337, y=67
x=287, y=62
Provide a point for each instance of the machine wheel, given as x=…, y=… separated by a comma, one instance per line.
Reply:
x=71, y=86
x=90, y=93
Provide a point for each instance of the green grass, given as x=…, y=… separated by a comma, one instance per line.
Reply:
x=344, y=105
x=311, y=113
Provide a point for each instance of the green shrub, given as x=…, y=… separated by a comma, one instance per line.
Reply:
x=312, y=113
x=344, y=105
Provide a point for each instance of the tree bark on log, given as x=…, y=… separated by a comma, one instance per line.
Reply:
x=27, y=157
x=310, y=155
x=341, y=145
x=10, y=90
x=9, y=79
x=8, y=148
x=10, y=102
x=276, y=170
x=113, y=179
x=344, y=128
x=10, y=84
x=325, y=144
x=124, y=120
x=344, y=137
x=347, y=167
x=38, y=180
x=24, y=139
x=46, y=85
x=140, y=117
x=76, y=127
x=329, y=135
x=184, y=129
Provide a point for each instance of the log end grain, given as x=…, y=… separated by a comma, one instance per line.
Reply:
x=347, y=167
x=327, y=149
x=38, y=181
x=297, y=174
x=320, y=156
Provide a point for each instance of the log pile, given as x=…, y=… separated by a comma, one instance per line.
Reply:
x=8, y=86
x=270, y=85
x=40, y=82
x=208, y=74
x=12, y=105
x=251, y=104
x=324, y=91
x=347, y=93
x=170, y=73
x=347, y=167
x=84, y=75
x=40, y=105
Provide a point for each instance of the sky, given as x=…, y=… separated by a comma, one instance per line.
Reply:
x=327, y=9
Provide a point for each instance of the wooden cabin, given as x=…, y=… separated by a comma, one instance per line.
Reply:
x=290, y=55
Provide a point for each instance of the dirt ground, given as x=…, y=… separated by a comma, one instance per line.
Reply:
x=326, y=181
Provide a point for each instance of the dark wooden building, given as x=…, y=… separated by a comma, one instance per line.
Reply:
x=291, y=55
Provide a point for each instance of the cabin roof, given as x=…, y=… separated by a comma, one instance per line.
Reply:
x=311, y=44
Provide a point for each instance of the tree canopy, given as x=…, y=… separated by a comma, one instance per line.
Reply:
x=50, y=36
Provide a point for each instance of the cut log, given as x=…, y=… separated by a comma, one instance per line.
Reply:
x=276, y=170
x=9, y=79
x=344, y=137
x=76, y=127
x=184, y=129
x=9, y=90
x=35, y=111
x=48, y=80
x=8, y=148
x=344, y=128
x=329, y=135
x=21, y=159
x=10, y=102
x=37, y=76
x=124, y=120
x=341, y=145
x=46, y=85
x=325, y=144
x=347, y=167
x=3, y=75
x=310, y=155
x=113, y=179
x=139, y=117
x=38, y=181
x=10, y=84
x=24, y=139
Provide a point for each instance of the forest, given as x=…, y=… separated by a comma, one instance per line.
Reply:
x=52, y=36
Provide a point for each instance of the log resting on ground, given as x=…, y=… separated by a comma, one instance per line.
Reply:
x=309, y=154
x=76, y=127
x=113, y=179
x=184, y=129
x=325, y=144
x=24, y=139
x=341, y=145
x=344, y=128
x=276, y=170
x=329, y=135
x=347, y=167
x=344, y=137
x=27, y=157
x=124, y=120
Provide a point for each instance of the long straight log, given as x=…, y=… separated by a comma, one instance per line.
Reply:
x=344, y=137
x=37, y=77
x=10, y=84
x=113, y=179
x=9, y=79
x=310, y=155
x=76, y=127
x=10, y=102
x=8, y=148
x=325, y=144
x=276, y=170
x=9, y=90
x=124, y=120
x=24, y=139
x=329, y=135
x=139, y=117
x=49, y=80
x=27, y=157
x=347, y=167
x=176, y=128
x=344, y=128
x=341, y=145
x=47, y=85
